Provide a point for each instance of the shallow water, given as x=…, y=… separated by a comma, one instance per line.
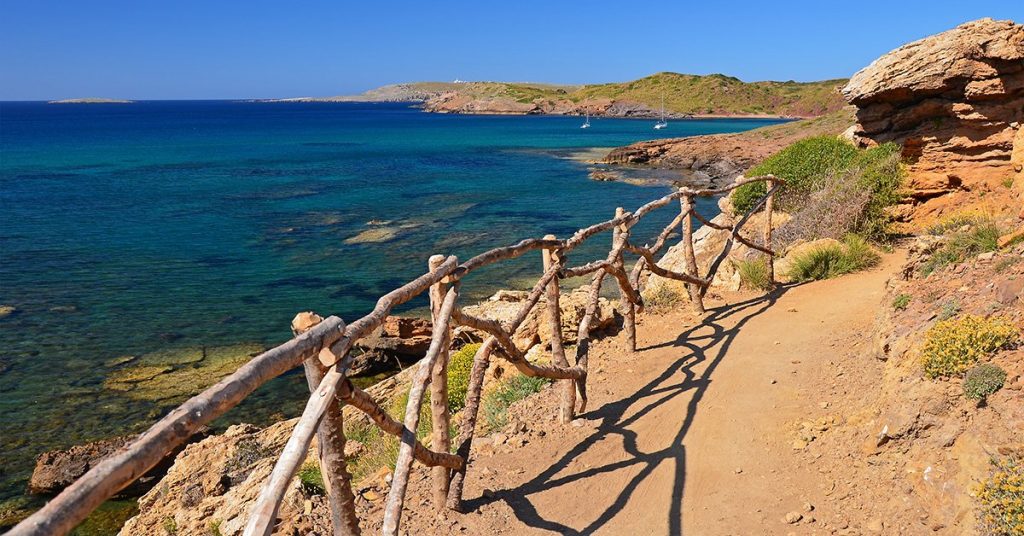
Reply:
x=189, y=226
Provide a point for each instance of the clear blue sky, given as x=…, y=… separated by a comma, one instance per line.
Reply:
x=184, y=49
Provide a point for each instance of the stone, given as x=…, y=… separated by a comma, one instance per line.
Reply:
x=954, y=102
x=793, y=518
x=7, y=310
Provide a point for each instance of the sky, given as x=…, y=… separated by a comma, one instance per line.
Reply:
x=220, y=49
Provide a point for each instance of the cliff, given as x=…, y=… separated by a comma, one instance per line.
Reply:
x=955, y=101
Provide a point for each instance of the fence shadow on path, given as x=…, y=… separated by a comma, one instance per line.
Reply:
x=705, y=343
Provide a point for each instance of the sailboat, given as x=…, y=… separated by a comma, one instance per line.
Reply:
x=586, y=124
x=661, y=124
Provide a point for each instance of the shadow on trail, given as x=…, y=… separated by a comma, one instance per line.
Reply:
x=696, y=343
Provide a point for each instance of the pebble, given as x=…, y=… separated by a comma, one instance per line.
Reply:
x=793, y=517
x=875, y=525
x=772, y=381
x=739, y=470
x=808, y=507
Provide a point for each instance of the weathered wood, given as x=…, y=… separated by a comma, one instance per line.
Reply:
x=263, y=515
x=512, y=353
x=567, y=387
x=440, y=418
x=626, y=299
x=362, y=401
x=589, y=268
x=73, y=505
x=467, y=427
x=504, y=253
x=663, y=272
x=331, y=437
x=583, y=337
x=766, y=237
x=636, y=275
x=688, y=207
x=400, y=480
x=736, y=229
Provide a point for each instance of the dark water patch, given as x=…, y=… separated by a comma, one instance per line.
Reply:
x=47, y=176
x=333, y=144
x=285, y=192
x=302, y=281
x=220, y=261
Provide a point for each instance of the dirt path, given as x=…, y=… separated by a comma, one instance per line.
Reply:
x=695, y=433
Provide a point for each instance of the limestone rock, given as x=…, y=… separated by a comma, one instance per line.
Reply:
x=955, y=101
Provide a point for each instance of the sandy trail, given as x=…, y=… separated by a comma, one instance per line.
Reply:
x=692, y=434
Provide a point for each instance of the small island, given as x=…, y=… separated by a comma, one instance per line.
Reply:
x=91, y=100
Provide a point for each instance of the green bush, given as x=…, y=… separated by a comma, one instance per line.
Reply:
x=900, y=303
x=983, y=380
x=754, y=274
x=833, y=260
x=311, y=480
x=981, y=236
x=460, y=365
x=495, y=404
x=1001, y=497
x=953, y=346
x=803, y=165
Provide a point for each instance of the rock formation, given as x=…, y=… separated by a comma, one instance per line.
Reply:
x=955, y=101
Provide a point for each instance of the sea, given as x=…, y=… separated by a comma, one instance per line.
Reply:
x=171, y=240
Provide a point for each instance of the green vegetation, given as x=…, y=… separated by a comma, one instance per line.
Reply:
x=720, y=94
x=214, y=527
x=754, y=274
x=108, y=518
x=982, y=380
x=170, y=526
x=460, y=365
x=1001, y=497
x=495, y=404
x=901, y=302
x=968, y=237
x=831, y=187
x=833, y=260
x=311, y=480
x=952, y=346
x=949, y=309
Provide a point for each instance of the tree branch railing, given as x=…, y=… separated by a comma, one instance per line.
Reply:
x=322, y=346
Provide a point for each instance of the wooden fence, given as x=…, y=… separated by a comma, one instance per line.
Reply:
x=322, y=346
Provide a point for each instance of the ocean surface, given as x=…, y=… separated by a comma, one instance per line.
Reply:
x=168, y=240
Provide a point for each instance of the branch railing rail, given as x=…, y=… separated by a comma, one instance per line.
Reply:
x=322, y=345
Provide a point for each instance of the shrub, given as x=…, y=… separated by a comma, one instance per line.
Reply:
x=495, y=404
x=754, y=274
x=982, y=380
x=953, y=346
x=982, y=235
x=1002, y=498
x=833, y=260
x=900, y=303
x=460, y=365
x=311, y=480
x=665, y=295
x=803, y=165
x=949, y=310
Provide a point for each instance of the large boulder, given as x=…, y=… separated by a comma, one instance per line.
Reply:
x=955, y=101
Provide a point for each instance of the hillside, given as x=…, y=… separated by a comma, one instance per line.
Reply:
x=684, y=95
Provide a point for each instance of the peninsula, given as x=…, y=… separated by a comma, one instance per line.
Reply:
x=91, y=100
x=683, y=96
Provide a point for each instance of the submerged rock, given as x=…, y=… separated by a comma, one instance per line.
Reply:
x=179, y=372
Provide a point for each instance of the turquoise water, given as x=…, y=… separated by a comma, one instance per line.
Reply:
x=128, y=229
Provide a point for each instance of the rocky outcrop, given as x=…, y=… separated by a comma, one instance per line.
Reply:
x=58, y=469
x=399, y=340
x=955, y=101
x=717, y=159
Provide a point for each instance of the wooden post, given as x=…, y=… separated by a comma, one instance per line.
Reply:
x=469, y=417
x=568, y=387
x=619, y=235
x=331, y=437
x=769, y=205
x=403, y=464
x=440, y=441
x=686, y=207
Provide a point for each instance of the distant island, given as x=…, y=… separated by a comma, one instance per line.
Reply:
x=684, y=95
x=91, y=100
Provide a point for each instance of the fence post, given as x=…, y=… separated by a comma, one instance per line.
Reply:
x=331, y=438
x=440, y=441
x=568, y=387
x=619, y=235
x=469, y=417
x=769, y=205
x=686, y=207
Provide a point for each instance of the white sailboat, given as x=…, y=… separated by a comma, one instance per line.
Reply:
x=661, y=124
x=586, y=124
